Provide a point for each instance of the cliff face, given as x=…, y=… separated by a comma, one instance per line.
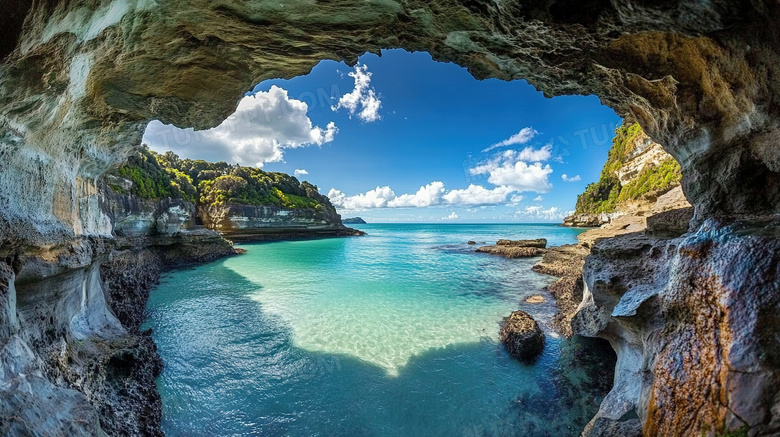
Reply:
x=156, y=194
x=79, y=80
x=250, y=222
x=695, y=329
x=637, y=172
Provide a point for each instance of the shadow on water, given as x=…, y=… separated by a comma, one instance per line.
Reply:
x=233, y=369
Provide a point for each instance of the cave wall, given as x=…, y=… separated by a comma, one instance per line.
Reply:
x=87, y=75
x=79, y=80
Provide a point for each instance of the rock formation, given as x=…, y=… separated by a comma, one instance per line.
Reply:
x=255, y=223
x=353, y=221
x=522, y=337
x=80, y=79
x=637, y=173
x=516, y=248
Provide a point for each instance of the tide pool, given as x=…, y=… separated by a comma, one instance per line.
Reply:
x=391, y=334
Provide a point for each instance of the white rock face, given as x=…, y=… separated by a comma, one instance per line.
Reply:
x=646, y=154
x=25, y=393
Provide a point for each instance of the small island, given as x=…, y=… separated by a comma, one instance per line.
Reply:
x=353, y=221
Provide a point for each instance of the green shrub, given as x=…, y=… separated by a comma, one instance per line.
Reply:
x=607, y=193
x=156, y=176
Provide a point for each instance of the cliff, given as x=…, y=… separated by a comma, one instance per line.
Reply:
x=354, y=221
x=79, y=81
x=638, y=171
x=241, y=203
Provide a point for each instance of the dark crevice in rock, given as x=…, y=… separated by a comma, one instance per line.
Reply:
x=11, y=23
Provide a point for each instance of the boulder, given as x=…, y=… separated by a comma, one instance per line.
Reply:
x=539, y=243
x=512, y=251
x=669, y=224
x=522, y=337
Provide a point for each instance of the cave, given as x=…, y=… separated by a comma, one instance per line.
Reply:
x=695, y=333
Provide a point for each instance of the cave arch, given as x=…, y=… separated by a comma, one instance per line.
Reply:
x=698, y=79
x=85, y=76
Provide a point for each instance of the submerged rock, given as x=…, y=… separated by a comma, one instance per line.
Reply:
x=522, y=337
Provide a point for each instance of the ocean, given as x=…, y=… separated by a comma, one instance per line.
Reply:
x=390, y=334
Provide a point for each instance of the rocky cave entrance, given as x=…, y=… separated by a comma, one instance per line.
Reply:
x=493, y=144
x=83, y=79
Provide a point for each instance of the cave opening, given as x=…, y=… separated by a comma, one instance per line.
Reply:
x=398, y=138
x=401, y=137
x=81, y=79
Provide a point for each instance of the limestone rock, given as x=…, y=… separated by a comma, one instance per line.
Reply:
x=588, y=220
x=256, y=223
x=539, y=243
x=566, y=263
x=710, y=363
x=522, y=337
x=511, y=251
x=669, y=224
x=79, y=81
x=516, y=248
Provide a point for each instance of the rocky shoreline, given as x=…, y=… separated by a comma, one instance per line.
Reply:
x=89, y=360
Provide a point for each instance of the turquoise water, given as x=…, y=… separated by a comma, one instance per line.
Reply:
x=391, y=334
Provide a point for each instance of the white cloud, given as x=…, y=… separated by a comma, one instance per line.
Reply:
x=510, y=168
x=363, y=99
x=537, y=212
x=566, y=178
x=452, y=216
x=525, y=135
x=476, y=195
x=516, y=199
x=522, y=176
x=263, y=125
x=433, y=194
x=427, y=195
x=376, y=198
x=538, y=198
x=300, y=172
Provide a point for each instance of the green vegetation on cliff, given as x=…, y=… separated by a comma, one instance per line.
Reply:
x=156, y=176
x=152, y=180
x=607, y=193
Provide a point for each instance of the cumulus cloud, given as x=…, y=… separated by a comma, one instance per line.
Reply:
x=515, y=199
x=263, y=125
x=363, y=99
x=433, y=194
x=538, y=198
x=452, y=216
x=511, y=168
x=300, y=172
x=537, y=212
x=379, y=197
x=477, y=195
x=525, y=135
x=427, y=195
x=566, y=178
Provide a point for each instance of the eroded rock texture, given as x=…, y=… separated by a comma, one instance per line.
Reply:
x=80, y=79
x=694, y=322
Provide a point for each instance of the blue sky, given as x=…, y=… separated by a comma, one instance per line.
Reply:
x=402, y=138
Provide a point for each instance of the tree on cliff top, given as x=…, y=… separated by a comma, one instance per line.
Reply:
x=156, y=176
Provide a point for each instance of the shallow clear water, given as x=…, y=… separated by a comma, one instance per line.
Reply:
x=391, y=334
